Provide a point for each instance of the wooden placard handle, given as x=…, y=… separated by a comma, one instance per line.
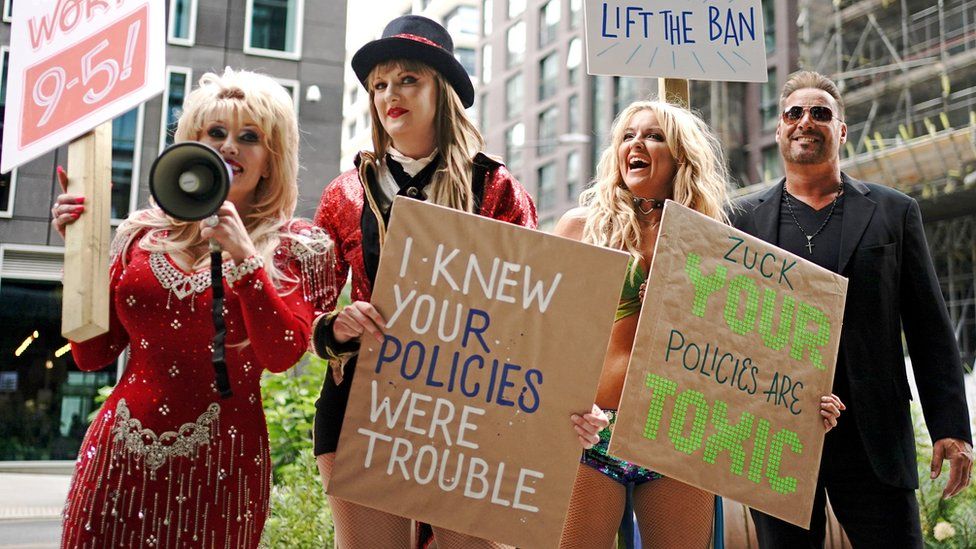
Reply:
x=85, y=303
x=676, y=91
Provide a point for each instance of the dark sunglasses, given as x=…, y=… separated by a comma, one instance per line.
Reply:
x=817, y=113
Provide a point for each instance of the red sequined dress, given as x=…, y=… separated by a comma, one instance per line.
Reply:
x=168, y=462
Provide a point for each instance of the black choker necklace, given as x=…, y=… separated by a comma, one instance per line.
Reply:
x=640, y=204
x=789, y=206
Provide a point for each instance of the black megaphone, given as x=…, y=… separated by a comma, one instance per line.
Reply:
x=189, y=181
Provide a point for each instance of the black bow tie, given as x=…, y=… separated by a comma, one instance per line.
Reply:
x=412, y=187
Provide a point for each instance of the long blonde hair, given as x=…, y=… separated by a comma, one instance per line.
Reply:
x=240, y=95
x=700, y=183
x=457, y=138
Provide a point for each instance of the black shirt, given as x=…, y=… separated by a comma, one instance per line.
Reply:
x=826, y=253
x=826, y=244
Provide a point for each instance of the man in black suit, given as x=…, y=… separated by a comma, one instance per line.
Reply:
x=873, y=235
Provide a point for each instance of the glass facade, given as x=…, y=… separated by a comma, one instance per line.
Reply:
x=45, y=401
x=124, y=140
x=548, y=120
x=548, y=76
x=6, y=180
x=516, y=44
x=514, y=96
x=274, y=25
x=180, y=19
x=173, y=104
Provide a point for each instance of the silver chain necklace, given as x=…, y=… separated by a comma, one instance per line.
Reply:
x=833, y=205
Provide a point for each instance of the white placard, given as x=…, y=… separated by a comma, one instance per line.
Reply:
x=711, y=40
x=75, y=64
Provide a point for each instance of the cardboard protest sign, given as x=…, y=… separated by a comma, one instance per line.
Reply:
x=76, y=64
x=496, y=334
x=676, y=39
x=736, y=343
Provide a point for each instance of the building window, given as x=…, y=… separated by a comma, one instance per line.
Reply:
x=462, y=20
x=574, y=58
x=467, y=58
x=516, y=44
x=182, y=22
x=126, y=142
x=546, y=135
x=769, y=22
x=177, y=88
x=45, y=399
x=515, y=8
x=546, y=197
x=573, y=112
x=293, y=87
x=274, y=28
x=549, y=22
x=625, y=91
x=8, y=181
x=548, y=76
x=573, y=176
x=514, y=143
x=575, y=11
x=482, y=112
x=769, y=101
x=487, y=9
x=514, y=96
x=7, y=7
x=771, y=163
x=601, y=120
x=486, y=64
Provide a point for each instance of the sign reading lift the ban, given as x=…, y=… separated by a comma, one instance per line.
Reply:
x=75, y=64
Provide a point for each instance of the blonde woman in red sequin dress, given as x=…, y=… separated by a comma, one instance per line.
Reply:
x=168, y=462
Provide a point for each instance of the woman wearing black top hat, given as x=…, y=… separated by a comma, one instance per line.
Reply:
x=424, y=147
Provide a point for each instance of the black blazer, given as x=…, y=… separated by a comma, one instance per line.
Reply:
x=892, y=286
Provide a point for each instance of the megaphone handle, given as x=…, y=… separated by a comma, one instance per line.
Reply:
x=220, y=330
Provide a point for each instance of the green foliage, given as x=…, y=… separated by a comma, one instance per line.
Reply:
x=953, y=520
x=299, y=516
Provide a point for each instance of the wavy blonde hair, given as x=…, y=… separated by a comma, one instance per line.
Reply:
x=457, y=138
x=244, y=96
x=700, y=183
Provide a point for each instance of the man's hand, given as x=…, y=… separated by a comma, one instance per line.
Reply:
x=960, y=456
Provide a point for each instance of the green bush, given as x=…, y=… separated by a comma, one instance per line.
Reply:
x=299, y=517
x=946, y=523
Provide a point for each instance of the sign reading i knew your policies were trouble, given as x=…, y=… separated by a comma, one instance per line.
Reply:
x=495, y=335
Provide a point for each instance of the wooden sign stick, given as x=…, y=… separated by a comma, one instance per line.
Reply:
x=85, y=303
x=676, y=91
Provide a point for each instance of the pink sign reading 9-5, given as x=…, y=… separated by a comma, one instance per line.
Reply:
x=75, y=64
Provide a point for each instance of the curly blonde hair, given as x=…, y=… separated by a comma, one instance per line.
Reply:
x=700, y=183
x=457, y=138
x=244, y=96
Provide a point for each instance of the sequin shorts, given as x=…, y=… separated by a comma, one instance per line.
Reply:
x=619, y=470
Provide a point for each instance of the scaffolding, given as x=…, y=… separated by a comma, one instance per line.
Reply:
x=907, y=71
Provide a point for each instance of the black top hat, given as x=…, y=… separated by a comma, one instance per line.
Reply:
x=419, y=38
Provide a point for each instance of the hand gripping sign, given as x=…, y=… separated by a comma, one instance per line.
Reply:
x=496, y=335
x=75, y=64
x=734, y=348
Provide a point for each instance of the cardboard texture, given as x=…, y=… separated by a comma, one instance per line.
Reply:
x=496, y=334
x=736, y=343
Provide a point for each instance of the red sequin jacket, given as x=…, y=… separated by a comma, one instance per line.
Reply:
x=340, y=213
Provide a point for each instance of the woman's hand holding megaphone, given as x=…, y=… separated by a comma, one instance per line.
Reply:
x=229, y=232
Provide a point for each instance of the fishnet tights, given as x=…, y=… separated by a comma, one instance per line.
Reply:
x=669, y=513
x=361, y=527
